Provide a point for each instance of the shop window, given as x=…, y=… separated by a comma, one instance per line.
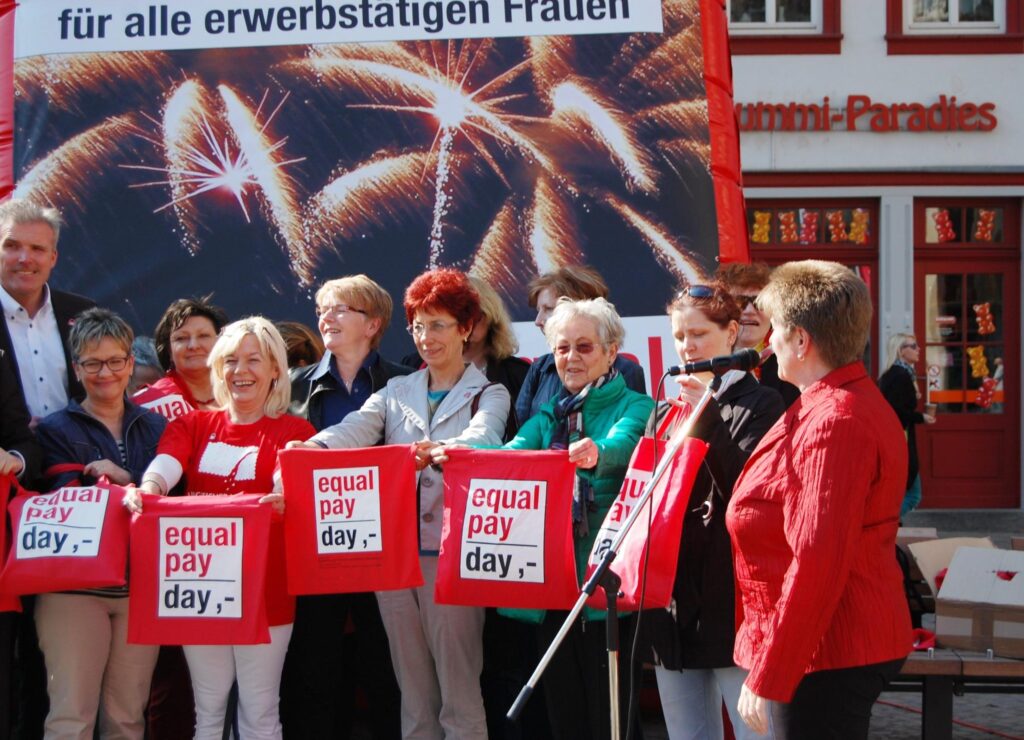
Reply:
x=973, y=224
x=837, y=230
x=955, y=27
x=784, y=26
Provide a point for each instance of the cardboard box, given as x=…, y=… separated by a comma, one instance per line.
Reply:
x=934, y=556
x=981, y=602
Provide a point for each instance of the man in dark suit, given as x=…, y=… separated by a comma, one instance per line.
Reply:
x=37, y=319
x=33, y=339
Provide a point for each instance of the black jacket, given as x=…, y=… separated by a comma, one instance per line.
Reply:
x=65, y=307
x=15, y=434
x=311, y=382
x=898, y=388
x=701, y=632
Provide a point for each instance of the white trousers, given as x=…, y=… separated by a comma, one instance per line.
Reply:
x=437, y=652
x=692, y=702
x=257, y=668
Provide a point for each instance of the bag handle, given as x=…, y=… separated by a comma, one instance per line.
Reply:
x=70, y=467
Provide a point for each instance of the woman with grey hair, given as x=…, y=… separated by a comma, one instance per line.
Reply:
x=90, y=666
x=210, y=449
x=599, y=421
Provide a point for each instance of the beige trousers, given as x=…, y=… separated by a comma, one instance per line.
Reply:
x=91, y=669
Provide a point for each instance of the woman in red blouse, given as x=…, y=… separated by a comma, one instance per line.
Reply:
x=184, y=337
x=234, y=450
x=813, y=520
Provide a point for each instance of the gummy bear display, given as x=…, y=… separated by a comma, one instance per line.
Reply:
x=979, y=364
x=983, y=318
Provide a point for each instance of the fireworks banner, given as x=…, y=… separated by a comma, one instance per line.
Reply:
x=256, y=148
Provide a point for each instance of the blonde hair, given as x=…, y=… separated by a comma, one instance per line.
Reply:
x=362, y=293
x=501, y=341
x=827, y=300
x=272, y=347
x=893, y=347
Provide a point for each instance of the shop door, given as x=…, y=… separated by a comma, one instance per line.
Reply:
x=968, y=319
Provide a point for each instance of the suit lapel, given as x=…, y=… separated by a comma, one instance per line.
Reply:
x=412, y=399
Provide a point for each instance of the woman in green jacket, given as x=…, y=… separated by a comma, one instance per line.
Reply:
x=599, y=421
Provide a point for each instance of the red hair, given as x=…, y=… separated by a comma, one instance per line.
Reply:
x=719, y=307
x=446, y=290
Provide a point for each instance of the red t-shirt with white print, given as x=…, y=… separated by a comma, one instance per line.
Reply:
x=221, y=457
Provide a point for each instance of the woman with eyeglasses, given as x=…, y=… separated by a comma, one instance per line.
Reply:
x=91, y=669
x=318, y=693
x=898, y=384
x=233, y=450
x=436, y=649
x=692, y=641
x=599, y=421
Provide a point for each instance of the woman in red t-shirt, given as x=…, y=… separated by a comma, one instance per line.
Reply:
x=184, y=337
x=234, y=450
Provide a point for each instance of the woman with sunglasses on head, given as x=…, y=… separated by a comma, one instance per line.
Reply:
x=436, y=649
x=233, y=450
x=899, y=386
x=692, y=641
x=90, y=666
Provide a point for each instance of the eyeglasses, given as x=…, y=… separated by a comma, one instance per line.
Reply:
x=583, y=348
x=745, y=300
x=700, y=292
x=434, y=327
x=116, y=365
x=909, y=345
x=339, y=310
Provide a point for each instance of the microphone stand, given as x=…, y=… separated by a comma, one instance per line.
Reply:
x=609, y=581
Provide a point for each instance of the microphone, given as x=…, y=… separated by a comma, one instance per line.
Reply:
x=745, y=359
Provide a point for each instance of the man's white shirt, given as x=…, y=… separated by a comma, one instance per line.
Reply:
x=39, y=353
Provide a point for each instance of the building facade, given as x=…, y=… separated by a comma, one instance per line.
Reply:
x=889, y=135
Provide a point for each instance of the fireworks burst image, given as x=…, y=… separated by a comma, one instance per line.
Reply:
x=290, y=165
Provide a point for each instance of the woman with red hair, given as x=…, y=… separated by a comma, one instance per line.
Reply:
x=436, y=649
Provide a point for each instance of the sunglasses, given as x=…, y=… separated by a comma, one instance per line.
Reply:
x=745, y=300
x=700, y=292
x=909, y=345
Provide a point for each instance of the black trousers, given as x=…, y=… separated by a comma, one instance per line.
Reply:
x=324, y=666
x=510, y=655
x=834, y=705
x=576, y=681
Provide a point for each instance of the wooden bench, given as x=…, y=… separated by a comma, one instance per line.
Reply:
x=939, y=674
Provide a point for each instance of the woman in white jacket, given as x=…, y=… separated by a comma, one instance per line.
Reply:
x=436, y=649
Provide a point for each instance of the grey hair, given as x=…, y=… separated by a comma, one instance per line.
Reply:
x=96, y=324
x=144, y=350
x=22, y=211
x=609, y=325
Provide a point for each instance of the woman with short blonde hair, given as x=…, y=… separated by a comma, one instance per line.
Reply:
x=233, y=450
x=813, y=520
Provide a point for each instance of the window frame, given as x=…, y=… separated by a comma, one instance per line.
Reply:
x=903, y=37
x=825, y=38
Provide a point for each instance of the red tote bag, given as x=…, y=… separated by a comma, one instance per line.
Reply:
x=72, y=538
x=199, y=568
x=350, y=520
x=8, y=484
x=670, y=497
x=507, y=534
